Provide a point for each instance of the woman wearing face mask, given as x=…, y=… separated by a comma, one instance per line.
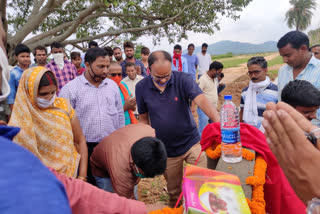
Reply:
x=49, y=126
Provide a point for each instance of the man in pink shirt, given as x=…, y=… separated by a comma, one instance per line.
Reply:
x=126, y=155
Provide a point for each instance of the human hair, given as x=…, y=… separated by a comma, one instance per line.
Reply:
x=153, y=57
x=314, y=46
x=149, y=154
x=216, y=65
x=93, y=53
x=92, y=43
x=114, y=64
x=295, y=38
x=190, y=45
x=204, y=45
x=221, y=75
x=115, y=48
x=300, y=93
x=41, y=48
x=177, y=47
x=145, y=50
x=128, y=44
x=21, y=48
x=109, y=50
x=258, y=60
x=129, y=64
x=56, y=45
x=47, y=78
x=75, y=54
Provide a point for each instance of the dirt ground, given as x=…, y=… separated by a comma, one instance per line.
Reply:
x=153, y=190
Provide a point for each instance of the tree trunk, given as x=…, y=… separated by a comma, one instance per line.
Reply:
x=3, y=15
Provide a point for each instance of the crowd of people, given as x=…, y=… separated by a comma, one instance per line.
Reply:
x=101, y=122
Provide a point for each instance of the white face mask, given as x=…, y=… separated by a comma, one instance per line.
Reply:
x=59, y=59
x=43, y=103
x=5, y=88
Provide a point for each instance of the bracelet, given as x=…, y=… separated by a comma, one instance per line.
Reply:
x=82, y=178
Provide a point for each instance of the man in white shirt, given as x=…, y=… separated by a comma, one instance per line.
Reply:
x=131, y=80
x=208, y=83
x=204, y=60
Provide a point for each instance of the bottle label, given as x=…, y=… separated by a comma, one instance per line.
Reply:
x=230, y=135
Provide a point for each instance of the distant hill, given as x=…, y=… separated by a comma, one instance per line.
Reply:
x=227, y=46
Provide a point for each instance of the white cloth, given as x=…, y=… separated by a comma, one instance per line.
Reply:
x=59, y=60
x=204, y=63
x=5, y=88
x=250, y=111
x=132, y=86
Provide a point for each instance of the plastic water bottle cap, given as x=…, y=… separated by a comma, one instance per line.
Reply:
x=228, y=97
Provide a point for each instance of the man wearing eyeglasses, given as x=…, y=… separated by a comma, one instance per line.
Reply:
x=163, y=100
x=259, y=92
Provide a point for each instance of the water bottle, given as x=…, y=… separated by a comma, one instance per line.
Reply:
x=230, y=132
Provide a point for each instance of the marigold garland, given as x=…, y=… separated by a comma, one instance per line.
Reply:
x=214, y=152
x=257, y=203
x=168, y=210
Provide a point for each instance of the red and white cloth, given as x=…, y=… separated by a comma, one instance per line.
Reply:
x=278, y=194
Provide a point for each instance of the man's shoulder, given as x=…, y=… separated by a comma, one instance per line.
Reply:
x=272, y=87
x=143, y=82
x=244, y=90
x=126, y=79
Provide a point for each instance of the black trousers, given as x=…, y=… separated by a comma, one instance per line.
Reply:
x=90, y=146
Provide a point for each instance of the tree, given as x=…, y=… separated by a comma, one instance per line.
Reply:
x=72, y=22
x=314, y=36
x=300, y=14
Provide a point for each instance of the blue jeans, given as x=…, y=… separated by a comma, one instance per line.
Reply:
x=105, y=184
x=203, y=120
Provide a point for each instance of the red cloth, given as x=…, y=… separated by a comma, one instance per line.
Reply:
x=278, y=194
x=85, y=198
x=175, y=57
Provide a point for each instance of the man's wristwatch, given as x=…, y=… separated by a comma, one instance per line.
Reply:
x=313, y=136
x=313, y=206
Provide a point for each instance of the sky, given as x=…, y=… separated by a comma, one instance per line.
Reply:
x=260, y=21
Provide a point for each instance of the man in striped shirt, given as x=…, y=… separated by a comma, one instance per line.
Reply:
x=300, y=63
x=260, y=91
x=64, y=70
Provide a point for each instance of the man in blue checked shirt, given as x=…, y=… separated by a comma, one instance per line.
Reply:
x=300, y=63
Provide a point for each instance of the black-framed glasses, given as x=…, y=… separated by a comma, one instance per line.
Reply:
x=256, y=72
x=113, y=75
x=158, y=78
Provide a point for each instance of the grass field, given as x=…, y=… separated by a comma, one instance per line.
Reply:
x=236, y=60
x=276, y=61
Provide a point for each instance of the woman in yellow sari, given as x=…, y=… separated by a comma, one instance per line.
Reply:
x=49, y=126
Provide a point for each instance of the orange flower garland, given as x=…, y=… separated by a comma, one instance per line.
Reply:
x=214, y=152
x=257, y=203
x=168, y=210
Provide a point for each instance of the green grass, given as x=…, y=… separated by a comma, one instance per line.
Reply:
x=275, y=61
x=272, y=74
x=234, y=62
x=222, y=56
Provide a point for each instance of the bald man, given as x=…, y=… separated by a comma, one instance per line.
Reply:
x=163, y=100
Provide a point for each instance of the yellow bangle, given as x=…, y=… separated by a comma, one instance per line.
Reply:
x=82, y=178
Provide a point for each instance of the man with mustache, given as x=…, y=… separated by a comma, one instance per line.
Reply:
x=301, y=64
x=129, y=52
x=96, y=100
x=259, y=92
